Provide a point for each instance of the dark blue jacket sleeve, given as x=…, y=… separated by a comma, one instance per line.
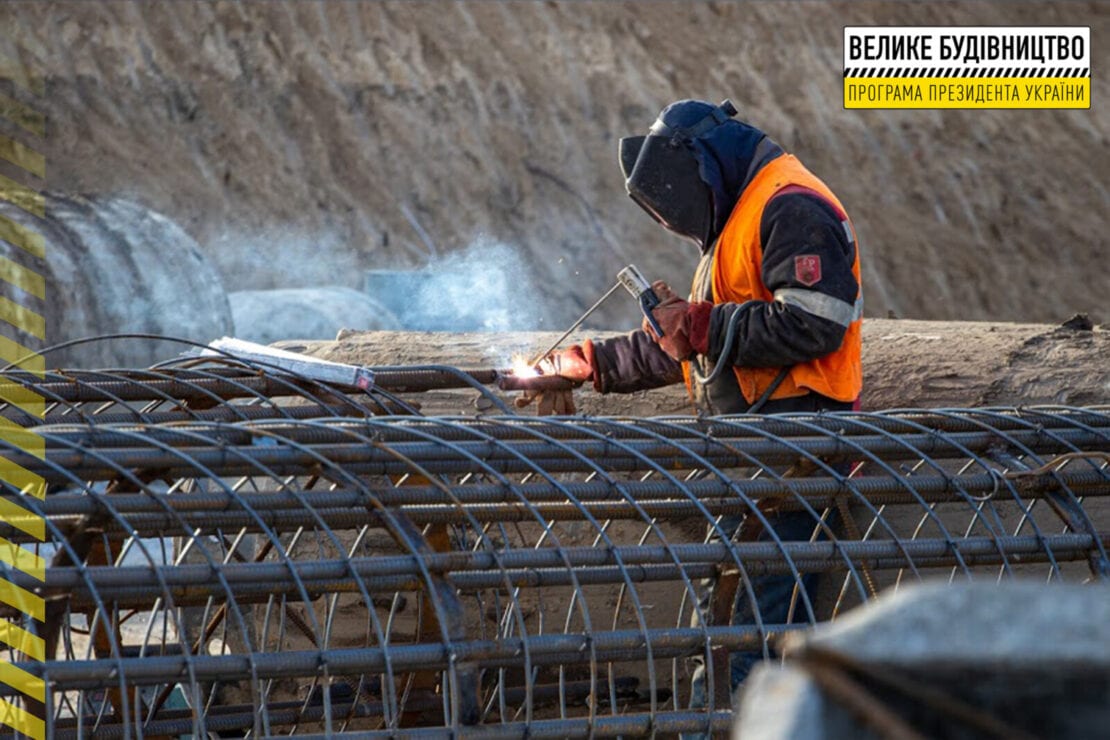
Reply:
x=807, y=264
x=633, y=362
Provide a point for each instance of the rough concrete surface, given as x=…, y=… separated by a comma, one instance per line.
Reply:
x=1015, y=625
x=1022, y=655
x=787, y=704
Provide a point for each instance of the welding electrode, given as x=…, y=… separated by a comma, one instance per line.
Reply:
x=635, y=283
x=541, y=356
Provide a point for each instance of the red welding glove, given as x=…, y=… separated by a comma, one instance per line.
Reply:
x=574, y=363
x=685, y=325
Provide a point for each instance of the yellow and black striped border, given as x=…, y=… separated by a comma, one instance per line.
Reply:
x=949, y=72
x=988, y=87
x=23, y=159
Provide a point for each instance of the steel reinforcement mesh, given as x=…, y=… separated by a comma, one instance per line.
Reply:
x=233, y=551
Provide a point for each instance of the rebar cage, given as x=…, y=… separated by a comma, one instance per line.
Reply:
x=235, y=552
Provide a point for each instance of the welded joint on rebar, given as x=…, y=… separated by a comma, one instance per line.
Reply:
x=937, y=437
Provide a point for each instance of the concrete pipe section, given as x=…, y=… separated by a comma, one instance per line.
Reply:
x=114, y=266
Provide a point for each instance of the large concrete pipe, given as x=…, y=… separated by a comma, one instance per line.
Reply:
x=112, y=265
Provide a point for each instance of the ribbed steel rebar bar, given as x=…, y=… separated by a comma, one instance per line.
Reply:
x=371, y=457
x=133, y=586
x=484, y=496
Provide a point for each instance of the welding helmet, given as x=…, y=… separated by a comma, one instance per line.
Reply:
x=664, y=175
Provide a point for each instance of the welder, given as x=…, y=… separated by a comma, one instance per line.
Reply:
x=772, y=324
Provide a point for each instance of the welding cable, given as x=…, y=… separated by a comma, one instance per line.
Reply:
x=276, y=374
x=726, y=351
x=280, y=377
x=15, y=364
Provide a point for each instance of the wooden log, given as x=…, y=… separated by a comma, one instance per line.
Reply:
x=927, y=364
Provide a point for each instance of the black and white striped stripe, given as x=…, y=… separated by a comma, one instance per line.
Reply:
x=967, y=72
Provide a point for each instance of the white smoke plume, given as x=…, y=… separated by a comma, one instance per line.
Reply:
x=487, y=286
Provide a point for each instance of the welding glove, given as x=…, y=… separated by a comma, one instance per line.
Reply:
x=685, y=325
x=548, y=402
x=575, y=363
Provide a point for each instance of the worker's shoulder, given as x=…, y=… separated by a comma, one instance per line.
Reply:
x=800, y=205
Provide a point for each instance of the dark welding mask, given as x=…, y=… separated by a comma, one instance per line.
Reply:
x=662, y=174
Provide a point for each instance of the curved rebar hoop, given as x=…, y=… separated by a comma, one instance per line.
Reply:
x=217, y=386
x=240, y=551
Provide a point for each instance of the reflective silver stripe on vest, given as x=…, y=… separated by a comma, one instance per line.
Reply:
x=822, y=305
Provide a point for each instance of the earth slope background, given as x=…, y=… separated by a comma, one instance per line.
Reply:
x=303, y=143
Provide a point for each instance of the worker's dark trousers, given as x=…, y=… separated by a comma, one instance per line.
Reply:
x=775, y=593
x=773, y=597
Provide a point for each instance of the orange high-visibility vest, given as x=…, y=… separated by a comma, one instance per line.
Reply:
x=737, y=277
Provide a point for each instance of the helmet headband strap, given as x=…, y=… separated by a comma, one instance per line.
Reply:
x=714, y=118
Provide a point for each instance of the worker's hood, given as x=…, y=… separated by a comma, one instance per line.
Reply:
x=691, y=168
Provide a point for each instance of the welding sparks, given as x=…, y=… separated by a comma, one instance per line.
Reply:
x=521, y=368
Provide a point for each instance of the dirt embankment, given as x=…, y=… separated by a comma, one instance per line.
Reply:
x=300, y=143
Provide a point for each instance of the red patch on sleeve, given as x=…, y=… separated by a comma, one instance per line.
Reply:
x=807, y=269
